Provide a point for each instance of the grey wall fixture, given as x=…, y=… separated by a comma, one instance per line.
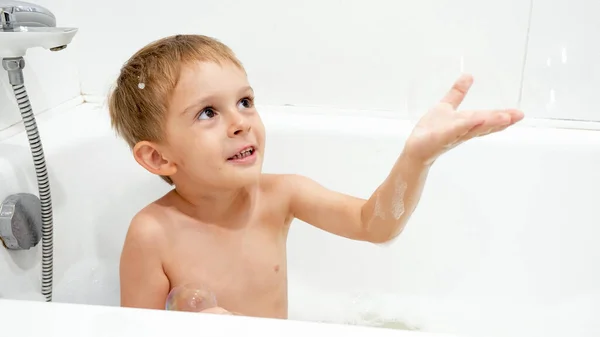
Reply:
x=20, y=221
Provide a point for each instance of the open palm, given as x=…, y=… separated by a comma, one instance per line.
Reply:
x=443, y=128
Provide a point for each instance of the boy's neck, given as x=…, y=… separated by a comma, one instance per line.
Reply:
x=223, y=208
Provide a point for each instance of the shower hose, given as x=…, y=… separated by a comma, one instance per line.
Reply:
x=15, y=66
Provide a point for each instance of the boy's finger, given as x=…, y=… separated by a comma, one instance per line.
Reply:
x=459, y=90
x=491, y=121
x=515, y=115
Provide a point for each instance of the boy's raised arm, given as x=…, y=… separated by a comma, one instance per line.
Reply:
x=384, y=215
x=377, y=220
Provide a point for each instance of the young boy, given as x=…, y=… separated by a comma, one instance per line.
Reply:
x=184, y=105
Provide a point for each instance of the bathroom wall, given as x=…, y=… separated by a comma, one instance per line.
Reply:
x=348, y=54
x=562, y=72
x=396, y=57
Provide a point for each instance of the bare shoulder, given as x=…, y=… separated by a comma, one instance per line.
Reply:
x=282, y=184
x=279, y=190
x=146, y=231
x=286, y=187
x=145, y=228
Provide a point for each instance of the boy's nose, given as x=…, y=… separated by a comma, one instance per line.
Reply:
x=238, y=126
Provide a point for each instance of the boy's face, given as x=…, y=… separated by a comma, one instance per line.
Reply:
x=214, y=135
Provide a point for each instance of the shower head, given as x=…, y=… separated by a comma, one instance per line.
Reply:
x=25, y=25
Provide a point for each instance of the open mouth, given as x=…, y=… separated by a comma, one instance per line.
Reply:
x=247, y=152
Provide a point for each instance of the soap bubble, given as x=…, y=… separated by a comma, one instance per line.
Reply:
x=190, y=297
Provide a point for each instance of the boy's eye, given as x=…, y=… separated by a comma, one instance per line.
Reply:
x=207, y=113
x=246, y=103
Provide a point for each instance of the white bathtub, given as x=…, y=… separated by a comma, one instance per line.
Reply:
x=505, y=241
x=60, y=319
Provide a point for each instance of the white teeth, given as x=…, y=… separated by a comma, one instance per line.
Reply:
x=243, y=154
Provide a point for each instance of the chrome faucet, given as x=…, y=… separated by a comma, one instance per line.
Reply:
x=14, y=14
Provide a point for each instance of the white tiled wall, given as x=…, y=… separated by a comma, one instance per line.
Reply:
x=349, y=54
x=373, y=55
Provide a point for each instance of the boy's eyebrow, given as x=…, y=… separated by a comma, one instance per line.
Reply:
x=247, y=88
x=207, y=98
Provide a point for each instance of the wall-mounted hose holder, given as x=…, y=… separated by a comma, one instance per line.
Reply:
x=20, y=221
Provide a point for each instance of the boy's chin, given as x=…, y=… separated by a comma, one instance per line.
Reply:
x=244, y=177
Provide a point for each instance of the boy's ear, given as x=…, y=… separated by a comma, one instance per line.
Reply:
x=148, y=156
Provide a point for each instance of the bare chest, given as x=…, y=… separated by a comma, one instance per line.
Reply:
x=246, y=269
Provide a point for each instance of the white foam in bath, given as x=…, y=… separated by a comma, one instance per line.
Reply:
x=90, y=281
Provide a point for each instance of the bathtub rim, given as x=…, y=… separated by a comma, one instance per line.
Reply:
x=396, y=117
x=57, y=319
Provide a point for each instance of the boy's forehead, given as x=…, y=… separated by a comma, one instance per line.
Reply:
x=209, y=76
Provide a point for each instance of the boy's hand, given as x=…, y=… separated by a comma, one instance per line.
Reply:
x=443, y=128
